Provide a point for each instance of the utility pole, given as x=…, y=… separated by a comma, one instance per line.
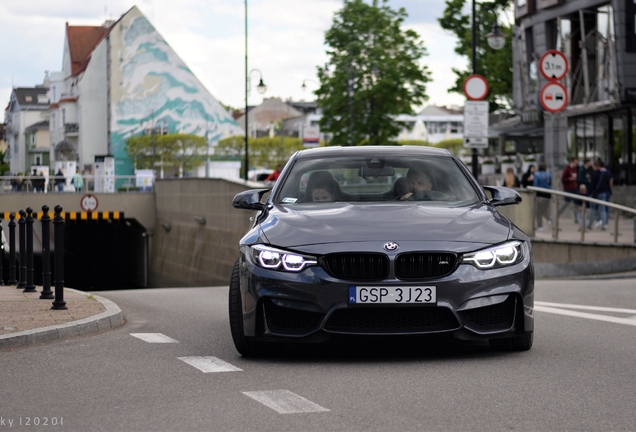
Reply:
x=351, y=94
x=475, y=160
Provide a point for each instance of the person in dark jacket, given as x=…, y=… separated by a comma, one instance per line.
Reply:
x=569, y=181
x=528, y=178
x=600, y=188
x=59, y=180
x=542, y=179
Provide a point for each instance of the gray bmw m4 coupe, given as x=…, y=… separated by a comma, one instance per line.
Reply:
x=380, y=240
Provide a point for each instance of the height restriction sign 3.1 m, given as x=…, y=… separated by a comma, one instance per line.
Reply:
x=553, y=65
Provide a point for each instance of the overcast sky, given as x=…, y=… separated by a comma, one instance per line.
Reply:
x=286, y=41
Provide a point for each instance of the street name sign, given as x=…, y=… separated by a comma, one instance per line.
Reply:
x=476, y=87
x=554, y=97
x=553, y=65
x=476, y=124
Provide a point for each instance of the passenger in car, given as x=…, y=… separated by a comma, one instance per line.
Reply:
x=321, y=187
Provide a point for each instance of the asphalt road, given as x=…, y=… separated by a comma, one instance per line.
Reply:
x=579, y=376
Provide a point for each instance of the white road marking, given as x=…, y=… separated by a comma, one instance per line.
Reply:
x=210, y=364
x=582, y=307
x=285, y=402
x=626, y=321
x=154, y=337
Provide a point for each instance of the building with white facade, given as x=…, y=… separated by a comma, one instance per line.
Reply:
x=27, y=107
x=121, y=80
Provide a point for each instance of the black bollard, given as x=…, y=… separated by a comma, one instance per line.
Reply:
x=22, y=232
x=58, y=226
x=46, y=292
x=30, y=286
x=12, y=280
x=1, y=257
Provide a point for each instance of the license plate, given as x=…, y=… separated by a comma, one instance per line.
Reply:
x=394, y=295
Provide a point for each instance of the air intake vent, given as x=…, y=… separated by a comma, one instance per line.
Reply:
x=390, y=320
x=357, y=266
x=424, y=265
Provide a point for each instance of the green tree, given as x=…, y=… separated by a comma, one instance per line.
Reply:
x=4, y=166
x=184, y=151
x=494, y=65
x=263, y=152
x=377, y=62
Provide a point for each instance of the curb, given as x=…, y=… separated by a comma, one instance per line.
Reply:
x=106, y=320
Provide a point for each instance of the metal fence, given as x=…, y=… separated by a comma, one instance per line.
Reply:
x=584, y=217
x=46, y=184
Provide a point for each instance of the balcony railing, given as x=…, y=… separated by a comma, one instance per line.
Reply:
x=71, y=128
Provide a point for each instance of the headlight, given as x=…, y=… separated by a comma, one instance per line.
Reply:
x=277, y=259
x=497, y=256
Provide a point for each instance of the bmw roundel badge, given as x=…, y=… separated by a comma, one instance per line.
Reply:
x=391, y=246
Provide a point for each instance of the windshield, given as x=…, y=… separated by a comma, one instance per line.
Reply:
x=376, y=179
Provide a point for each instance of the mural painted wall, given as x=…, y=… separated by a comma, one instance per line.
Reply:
x=150, y=85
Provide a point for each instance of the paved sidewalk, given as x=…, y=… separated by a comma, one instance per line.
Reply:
x=26, y=319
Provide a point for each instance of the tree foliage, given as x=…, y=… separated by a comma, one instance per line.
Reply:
x=367, y=44
x=263, y=152
x=181, y=151
x=494, y=65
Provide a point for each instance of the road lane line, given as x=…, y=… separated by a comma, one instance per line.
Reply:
x=582, y=307
x=210, y=364
x=626, y=321
x=285, y=402
x=154, y=337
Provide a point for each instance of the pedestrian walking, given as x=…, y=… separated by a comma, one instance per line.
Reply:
x=601, y=188
x=542, y=179
x=77, y=181
x=59, y=180
x=510, y=179
x=569, y=181
x=528, y=178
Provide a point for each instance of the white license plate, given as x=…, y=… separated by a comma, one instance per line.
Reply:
x=384, y=294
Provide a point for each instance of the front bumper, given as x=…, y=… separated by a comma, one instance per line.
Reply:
x=471, y=304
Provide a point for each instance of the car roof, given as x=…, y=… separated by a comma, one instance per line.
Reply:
x=375, y=150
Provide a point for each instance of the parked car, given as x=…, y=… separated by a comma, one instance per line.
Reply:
x=380, y=240
x=259, y=175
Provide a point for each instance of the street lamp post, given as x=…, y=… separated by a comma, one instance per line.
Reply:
x=496, y=40
x=262, y=88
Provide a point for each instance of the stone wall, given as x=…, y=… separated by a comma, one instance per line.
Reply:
x=197, y=232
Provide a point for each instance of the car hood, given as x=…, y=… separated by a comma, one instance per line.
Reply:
x=343, y=223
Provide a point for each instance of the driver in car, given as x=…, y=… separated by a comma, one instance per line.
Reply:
x=418, y=183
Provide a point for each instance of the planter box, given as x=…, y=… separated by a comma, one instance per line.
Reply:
x=487, y=169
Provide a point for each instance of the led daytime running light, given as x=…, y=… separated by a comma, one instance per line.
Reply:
x=498, y=256
x=272, y=258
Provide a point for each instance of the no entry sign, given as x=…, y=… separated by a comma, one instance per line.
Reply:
x=554, y=97
x=476, y=87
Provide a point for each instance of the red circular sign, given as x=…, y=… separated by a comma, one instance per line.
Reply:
x=553, y=65
x=554, y=97
x=476, y=87
x=89, y=203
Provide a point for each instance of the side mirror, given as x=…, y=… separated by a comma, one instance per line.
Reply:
x=503, y=196
x=250, y=199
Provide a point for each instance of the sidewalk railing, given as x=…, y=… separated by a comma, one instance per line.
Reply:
x=555, y=194
x=40, y=184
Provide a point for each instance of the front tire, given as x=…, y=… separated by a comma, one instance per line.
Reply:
x=522, y=342
x=243, y=344
x=236, y=314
